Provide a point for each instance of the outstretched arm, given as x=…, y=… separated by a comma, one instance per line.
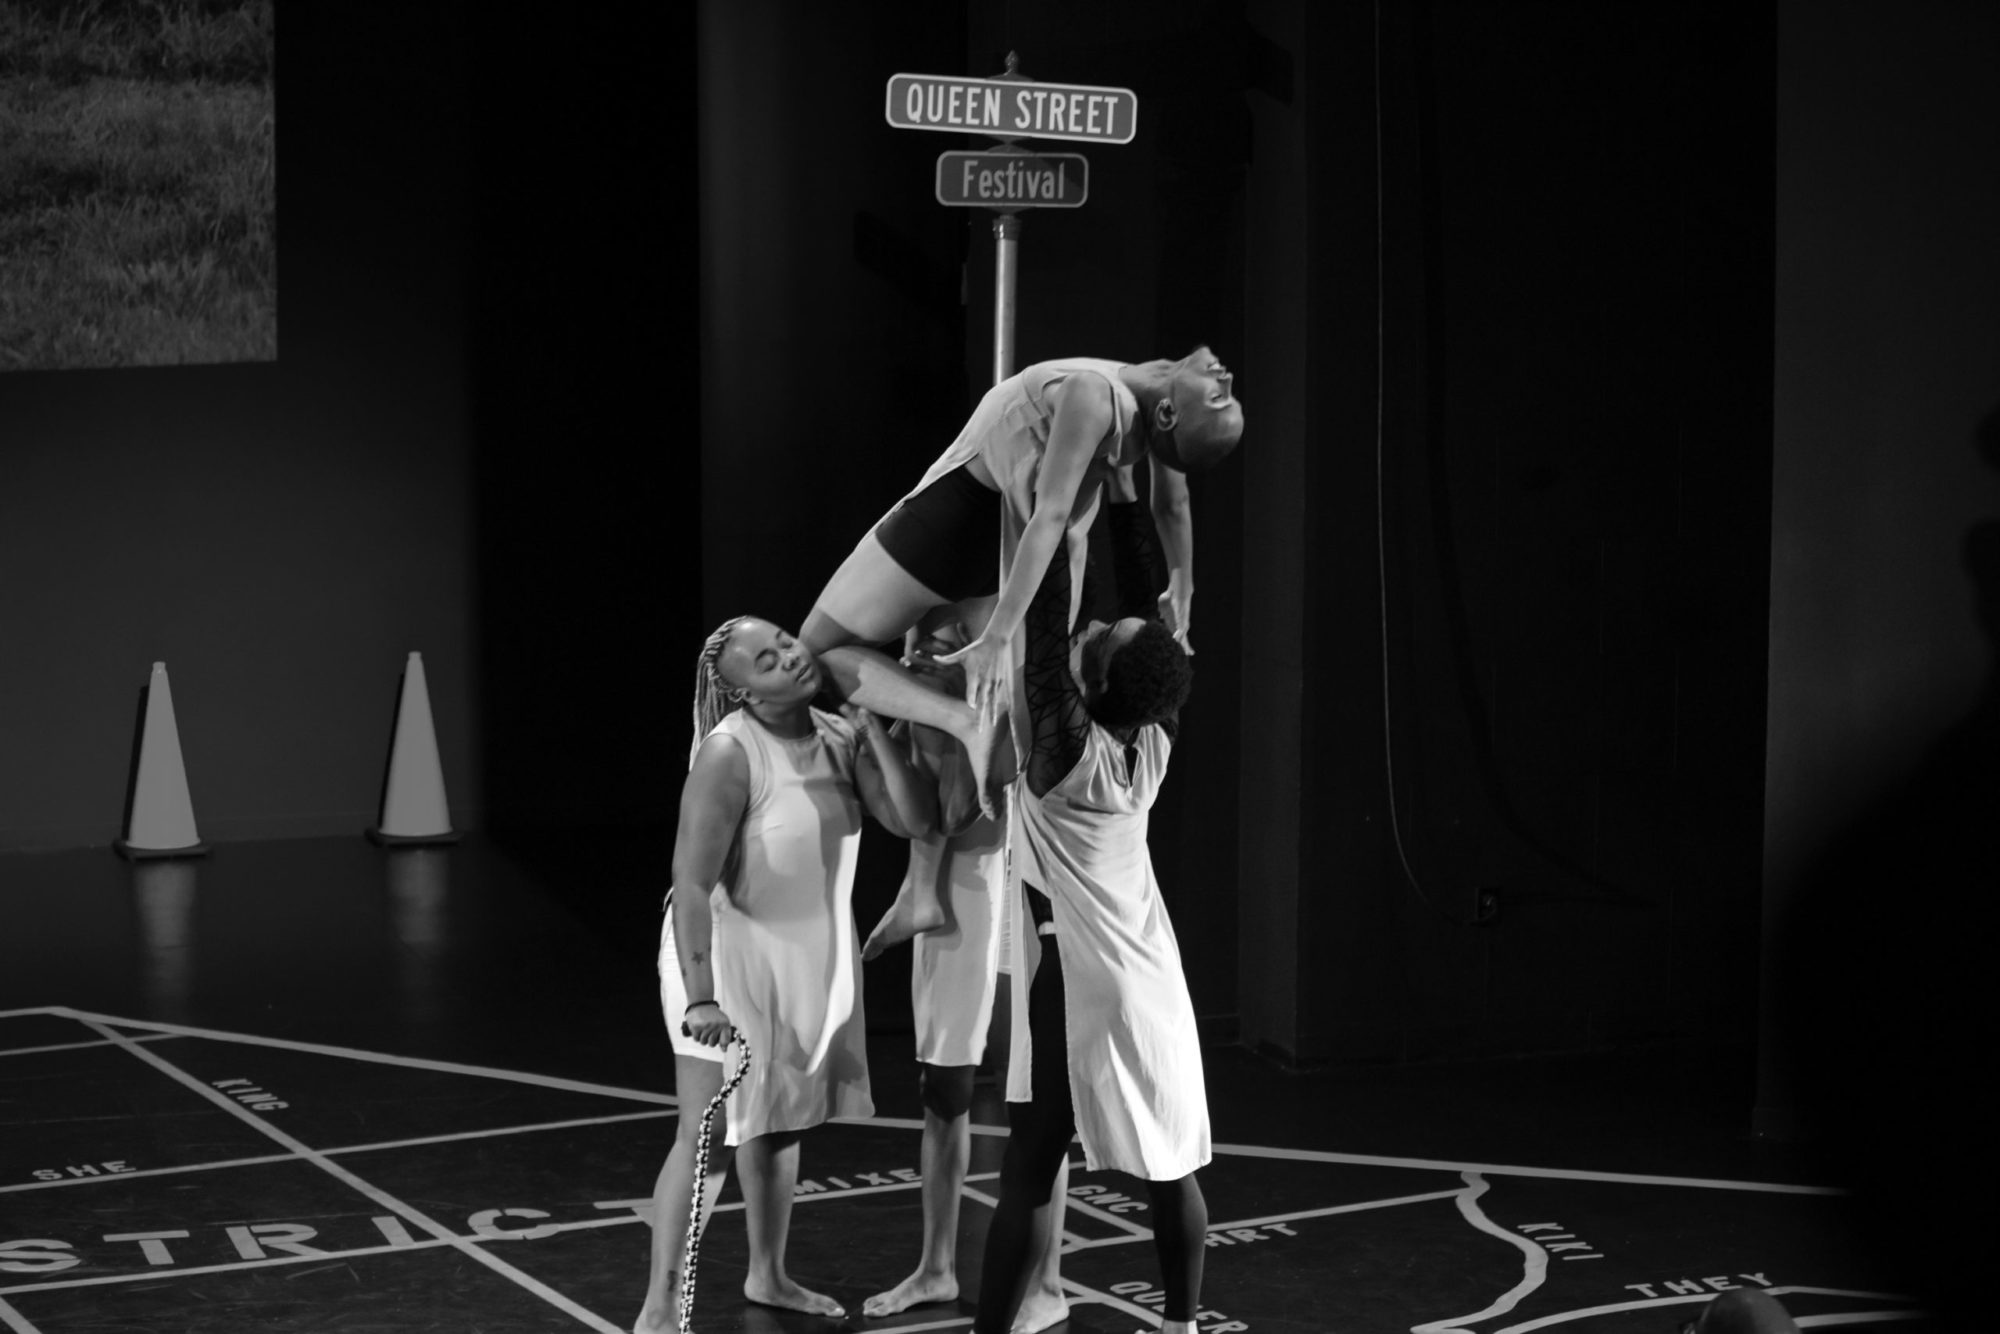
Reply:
x=712, y=806
x=1173, y=519
x=1083, y=416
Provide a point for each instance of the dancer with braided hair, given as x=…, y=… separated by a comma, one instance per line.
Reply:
x=1020, y=484
x=759, y=934
x=1104, y=1038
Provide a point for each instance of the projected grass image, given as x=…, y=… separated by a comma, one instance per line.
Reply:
x=138, y=189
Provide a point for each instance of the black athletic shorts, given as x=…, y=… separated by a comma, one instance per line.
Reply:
x=947, y=536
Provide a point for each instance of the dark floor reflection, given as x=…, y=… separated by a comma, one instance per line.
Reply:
x=163, y=899
x=418, y=882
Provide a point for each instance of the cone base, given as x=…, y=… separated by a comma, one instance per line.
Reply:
x=380, y=839
x=133, y=854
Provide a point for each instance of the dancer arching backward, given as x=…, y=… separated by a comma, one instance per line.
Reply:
x=953, y=975
x=760, y=934
x=1023, y=476
x=1104, y=1032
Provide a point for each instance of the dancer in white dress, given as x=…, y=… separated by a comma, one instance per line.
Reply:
x=953, y=985
x=1021, y=481
x=1104, y=1039
x=760, y=934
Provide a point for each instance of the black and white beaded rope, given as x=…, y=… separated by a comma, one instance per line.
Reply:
x=692, y=1249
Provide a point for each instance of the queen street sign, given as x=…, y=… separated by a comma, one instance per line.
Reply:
x=1012, y=108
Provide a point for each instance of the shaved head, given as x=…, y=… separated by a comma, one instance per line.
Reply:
x=1204, y=420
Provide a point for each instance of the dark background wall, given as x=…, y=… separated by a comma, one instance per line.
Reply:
x=584, y=393
x=1885, y=569
x=599, y=331
x=1510, y=633
x=280, y=535
x=1881, y=849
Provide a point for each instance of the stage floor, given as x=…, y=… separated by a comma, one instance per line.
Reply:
x=318, y=1086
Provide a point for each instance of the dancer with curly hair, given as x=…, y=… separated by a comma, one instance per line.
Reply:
x=1104, y=1040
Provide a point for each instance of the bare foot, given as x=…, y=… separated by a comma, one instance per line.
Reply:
x=910, y=915
x=659, y=1319
x=791, y=1297
x=982, y=749
x=1039, y=1310
x=916, y=1290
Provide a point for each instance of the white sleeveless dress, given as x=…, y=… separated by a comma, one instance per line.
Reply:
x=953, y=969
x=787, y=962
x=1135, y=1069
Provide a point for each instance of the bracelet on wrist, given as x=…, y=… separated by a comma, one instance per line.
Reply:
x=691, y=1004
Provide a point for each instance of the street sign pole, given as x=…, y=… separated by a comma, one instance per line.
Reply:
x=1006, y=260
x=1008, y=179
x=1006, y=240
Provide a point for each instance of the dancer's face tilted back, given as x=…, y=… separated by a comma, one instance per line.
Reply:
x=768, y=664
x=1204, y=418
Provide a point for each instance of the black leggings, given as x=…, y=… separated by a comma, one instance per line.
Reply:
x=947, y=536
x=1037, y=1142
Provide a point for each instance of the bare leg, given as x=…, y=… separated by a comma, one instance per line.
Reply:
x=872, y=597
x=919, y=907
x=695, y=1082
x=768, y=1170
x=914, y=912
x=1043, y=1302
x=947, y=1147
x=871, y=600
x=877, y=682
x=880, y=684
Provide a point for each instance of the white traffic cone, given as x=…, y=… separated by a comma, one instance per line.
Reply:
x=159, y=815
x=413, y=802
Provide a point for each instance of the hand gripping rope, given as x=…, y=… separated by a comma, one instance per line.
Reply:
x=692, y=1250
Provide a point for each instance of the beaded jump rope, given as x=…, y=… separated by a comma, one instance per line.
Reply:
x=692, y=1249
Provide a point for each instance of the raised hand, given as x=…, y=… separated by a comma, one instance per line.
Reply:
x=1175, y=611
x=988, y=663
